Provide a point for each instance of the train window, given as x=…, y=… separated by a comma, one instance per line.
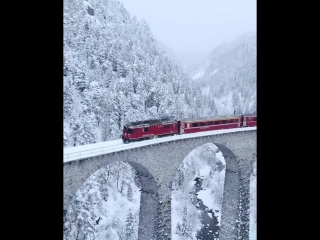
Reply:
x=217, y=122
x=224, y=121
x=145, y=129
x=236, y=120
x=194, y=124
x=231, y=121
x=202, y=124
x=166, y=126
x=255, y=119
x=130, y=130
x=210, y=123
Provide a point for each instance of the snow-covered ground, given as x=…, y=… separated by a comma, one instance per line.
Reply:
x=106, y=206
x=199, y=74
x=253, y=203
x=90, y=150
x=206, y=163
x=214, y=72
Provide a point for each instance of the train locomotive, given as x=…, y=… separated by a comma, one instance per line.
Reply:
x=154, y=128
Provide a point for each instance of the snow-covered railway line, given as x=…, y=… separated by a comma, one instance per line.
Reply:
x=91, y=150
x=95, y=151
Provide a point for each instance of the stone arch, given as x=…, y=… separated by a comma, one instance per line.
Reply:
x=149, y=199
x=230, y=193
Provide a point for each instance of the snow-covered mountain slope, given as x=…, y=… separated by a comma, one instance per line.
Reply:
x=228, y=74
x=115, y=73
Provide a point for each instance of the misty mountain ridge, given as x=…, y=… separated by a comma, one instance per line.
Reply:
x=228, y=74
x=181, y=58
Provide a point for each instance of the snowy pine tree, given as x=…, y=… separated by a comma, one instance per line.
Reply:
x=129, y=226
x=86, y=133
x=129, y=193
x=68, y=98
x=104, y=191
x=184, y=229
x=65, y=138
x=180, y=178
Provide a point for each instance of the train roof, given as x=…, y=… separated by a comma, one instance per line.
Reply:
x=249, y=114
x=149, y=122
x=208, y=118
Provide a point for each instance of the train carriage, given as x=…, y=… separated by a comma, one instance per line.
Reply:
x=149, y=129
x=191, y=125
x=249, y=120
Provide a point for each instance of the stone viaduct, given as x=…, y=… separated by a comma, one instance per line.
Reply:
x=156, y=166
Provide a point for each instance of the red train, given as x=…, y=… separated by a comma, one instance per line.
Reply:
x=149, y=129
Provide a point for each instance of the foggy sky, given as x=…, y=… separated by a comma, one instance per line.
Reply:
x=193, y=28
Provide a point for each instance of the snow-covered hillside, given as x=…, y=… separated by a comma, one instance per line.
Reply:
x=106, y=207
x=115, y=73
x=228, y=74
x=167, y=50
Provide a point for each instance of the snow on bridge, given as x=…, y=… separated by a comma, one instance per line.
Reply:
x=90, y=150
